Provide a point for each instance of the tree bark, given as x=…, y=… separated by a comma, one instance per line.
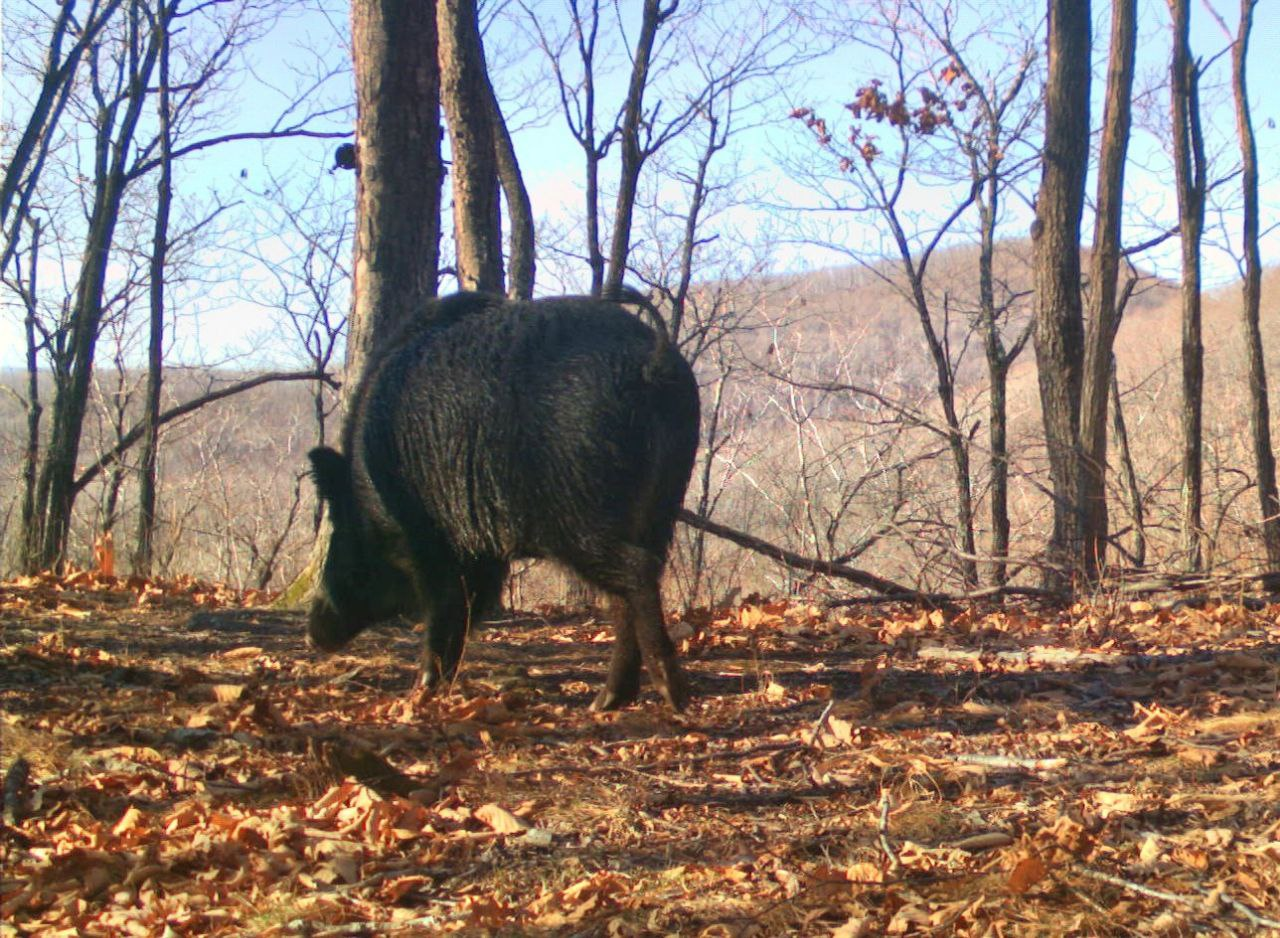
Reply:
x=1264, y=456
x=1104, y=269
x=1059, y=333
x=396, y=255
x=1189, y=170
x=522, y=249
x=397, y=237
x=467, y=99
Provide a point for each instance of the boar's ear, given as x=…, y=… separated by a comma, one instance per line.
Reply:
x=332, y=474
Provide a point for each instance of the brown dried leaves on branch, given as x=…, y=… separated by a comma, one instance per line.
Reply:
x=182, y=766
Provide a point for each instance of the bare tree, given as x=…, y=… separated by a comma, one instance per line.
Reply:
x=1059, y=334
x=144, y=554
x=1104, y=317
x=1264, y=457
x=578, y=103
x=880, y=183
x=310, y=284
x=28, y=156
x=1189, y=170
x=1000, y=123
x=110, y=91
x=635, y=149
x=119, y=88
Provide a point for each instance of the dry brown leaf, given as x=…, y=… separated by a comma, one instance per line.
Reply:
x=243, y=653
x=501, y=820
x=1026, y=873
x=130, y=820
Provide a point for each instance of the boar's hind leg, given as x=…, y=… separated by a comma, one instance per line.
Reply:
x=622, y=686
x=458, y=600
x=632, y=579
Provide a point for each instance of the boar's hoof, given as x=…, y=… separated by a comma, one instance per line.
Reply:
x=671, y=684
x=612, y=699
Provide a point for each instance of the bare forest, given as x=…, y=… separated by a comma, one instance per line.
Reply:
x=981, y=544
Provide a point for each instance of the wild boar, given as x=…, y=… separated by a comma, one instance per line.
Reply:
x=491, y=430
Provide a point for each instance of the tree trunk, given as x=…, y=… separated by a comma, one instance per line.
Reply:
x=144, y=553
x=1264, y=456
x=998, y=361
x=31, y=452
x=397, y=238
x=1189, y=166
x=633, y=153
x=1104, y=269
x=1059, y=334
x=467, y=99
x=396, y=255
x=522, y=253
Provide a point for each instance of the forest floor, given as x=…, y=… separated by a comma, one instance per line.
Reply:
x=177, y=763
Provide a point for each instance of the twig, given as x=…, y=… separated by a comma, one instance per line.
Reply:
x=1175, y=898
x=1007, y=762
x=895, y=865
x=1197, y=901
x=821, y=722
x=1260, y=921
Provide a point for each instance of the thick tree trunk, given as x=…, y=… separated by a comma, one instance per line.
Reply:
x=396, y=260
x=467, y=99
x=1264, y=456
x=397, y=238
x=1104, y=269
x=1059, y=334
x=1189, y=166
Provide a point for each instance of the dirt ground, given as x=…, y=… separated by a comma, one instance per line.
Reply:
x=177, y=763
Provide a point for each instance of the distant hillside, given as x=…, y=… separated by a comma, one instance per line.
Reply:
x=818, y=473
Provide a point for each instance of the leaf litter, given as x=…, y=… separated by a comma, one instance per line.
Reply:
x=177, y=763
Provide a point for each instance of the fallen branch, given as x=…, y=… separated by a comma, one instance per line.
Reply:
x=137, y=431
x=942, y=599
x=1058, y=657
x=800, y=562
x=1197, y=901
x=1007, y=762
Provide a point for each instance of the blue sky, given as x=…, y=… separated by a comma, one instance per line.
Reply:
x=220, y=323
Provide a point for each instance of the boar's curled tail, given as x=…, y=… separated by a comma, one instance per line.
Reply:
x=658, y=361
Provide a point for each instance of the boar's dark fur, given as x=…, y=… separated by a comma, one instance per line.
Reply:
x=491, y=430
